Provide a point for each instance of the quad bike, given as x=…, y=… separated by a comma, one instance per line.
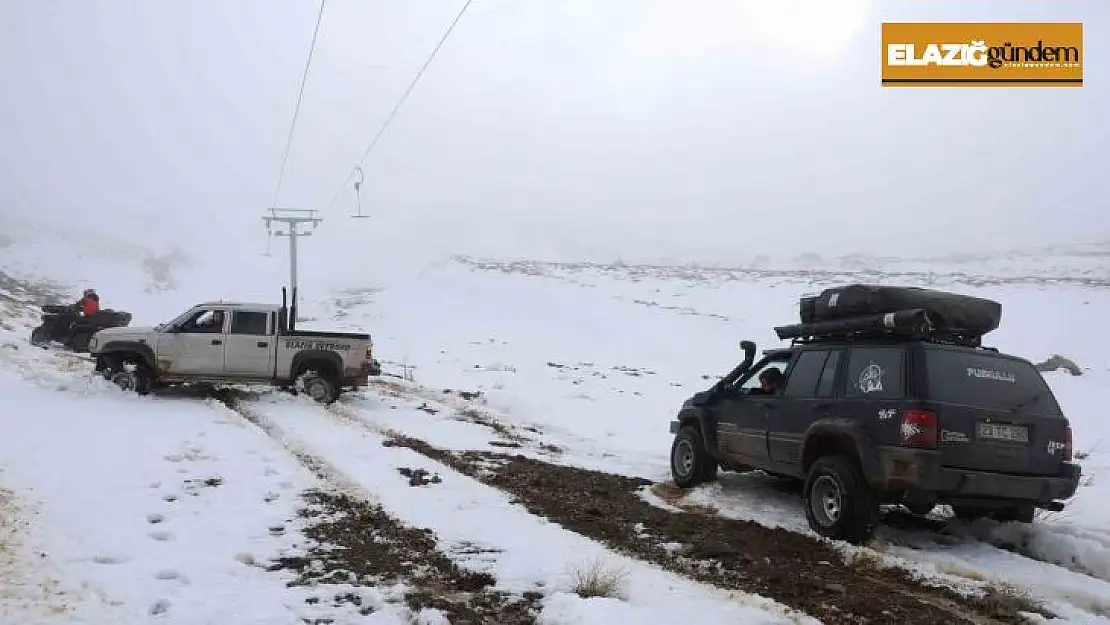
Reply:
x=64, y=324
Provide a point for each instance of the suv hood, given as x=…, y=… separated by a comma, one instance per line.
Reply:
x=123, y=333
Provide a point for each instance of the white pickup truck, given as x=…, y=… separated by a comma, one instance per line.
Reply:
x=221, y=342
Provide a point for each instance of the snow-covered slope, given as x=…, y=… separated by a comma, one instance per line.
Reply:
x=599, y=358
x=574, y=371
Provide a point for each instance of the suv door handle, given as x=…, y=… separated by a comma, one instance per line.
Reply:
x=825, y=405
x=262, y=344
x=217, y=342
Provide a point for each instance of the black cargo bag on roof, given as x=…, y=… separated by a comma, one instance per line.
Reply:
x=945, y=310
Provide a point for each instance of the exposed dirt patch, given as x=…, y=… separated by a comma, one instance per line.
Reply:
x=419, y=477
x=194, y=484
x=791, y=568
x=358, y=543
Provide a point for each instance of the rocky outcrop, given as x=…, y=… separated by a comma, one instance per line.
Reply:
x=1057, y=362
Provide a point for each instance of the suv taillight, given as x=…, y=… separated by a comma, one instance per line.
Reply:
x=1067, y=444
x=919, y=428
x=369, y=353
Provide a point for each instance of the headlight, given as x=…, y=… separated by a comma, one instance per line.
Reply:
x=92, y=344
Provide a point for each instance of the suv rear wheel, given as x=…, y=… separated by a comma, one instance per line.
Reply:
x=839, y=502
x=690, y=462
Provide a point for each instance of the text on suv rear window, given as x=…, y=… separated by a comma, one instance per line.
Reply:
x=986, y=380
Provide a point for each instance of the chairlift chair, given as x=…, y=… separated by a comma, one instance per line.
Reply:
x=358, y=195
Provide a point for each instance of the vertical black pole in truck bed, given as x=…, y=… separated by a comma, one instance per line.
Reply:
x=283, y=315
x=293, y=311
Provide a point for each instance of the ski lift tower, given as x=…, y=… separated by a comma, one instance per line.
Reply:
x=292, y=219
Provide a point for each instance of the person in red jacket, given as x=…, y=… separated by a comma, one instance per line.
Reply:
x=89, y=303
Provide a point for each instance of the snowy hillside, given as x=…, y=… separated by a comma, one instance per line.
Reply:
x=523, y=421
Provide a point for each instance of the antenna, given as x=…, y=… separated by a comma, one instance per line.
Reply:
x=292, y=218
x=358, y=193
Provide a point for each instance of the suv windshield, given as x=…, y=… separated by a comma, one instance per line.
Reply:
x=987, y=380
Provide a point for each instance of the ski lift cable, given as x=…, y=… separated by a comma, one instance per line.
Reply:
x=297, y=105
x=400, y=102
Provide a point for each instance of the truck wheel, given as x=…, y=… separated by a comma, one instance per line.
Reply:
x=690, y=462
x=839, y=502
x=39, y=337
x=131, y=377
x=321, y=388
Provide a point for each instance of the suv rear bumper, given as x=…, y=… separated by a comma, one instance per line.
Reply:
x=921, y=470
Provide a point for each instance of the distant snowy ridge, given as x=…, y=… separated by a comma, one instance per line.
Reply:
x=1091, y=269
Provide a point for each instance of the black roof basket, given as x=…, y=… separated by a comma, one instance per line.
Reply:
x=912, y=324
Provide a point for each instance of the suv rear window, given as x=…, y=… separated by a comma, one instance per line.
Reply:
x=987, y=381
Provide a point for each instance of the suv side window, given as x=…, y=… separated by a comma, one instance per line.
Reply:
x=806, y=374
x=825, y=387
x=875, y=373
x=753, y=379
x=249, y=322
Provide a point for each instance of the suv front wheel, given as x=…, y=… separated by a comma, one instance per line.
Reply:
x=690, y=462
x=839, y=502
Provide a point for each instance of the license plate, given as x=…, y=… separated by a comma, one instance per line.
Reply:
x=1003, y=432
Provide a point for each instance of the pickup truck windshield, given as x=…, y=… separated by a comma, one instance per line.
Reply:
x=988, y=381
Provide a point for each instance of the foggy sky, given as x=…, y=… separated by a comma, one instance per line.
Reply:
x=689, y=129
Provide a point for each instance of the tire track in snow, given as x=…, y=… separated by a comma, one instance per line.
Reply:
x=795, y=570
x=375, y=547
x=1028, y=542
x=542, y=441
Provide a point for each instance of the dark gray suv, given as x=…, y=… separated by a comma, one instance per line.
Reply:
x=886, y=404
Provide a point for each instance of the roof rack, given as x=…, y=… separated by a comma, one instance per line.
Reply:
x=904, y=325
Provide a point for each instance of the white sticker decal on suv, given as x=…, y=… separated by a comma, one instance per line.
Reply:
x=887, y=414
x=870, y=379
x=990, y=374
x=1053, y=447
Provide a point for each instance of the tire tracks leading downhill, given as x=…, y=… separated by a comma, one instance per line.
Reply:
x=530, y=440
x=358, y=543
x=796, y=570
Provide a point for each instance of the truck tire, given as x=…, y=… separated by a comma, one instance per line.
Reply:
x=39, y=338
x=839, y=502
x=321, y=388
x=130, y=376
x=690, y=461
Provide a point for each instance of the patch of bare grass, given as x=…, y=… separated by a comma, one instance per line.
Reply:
x=599, y=579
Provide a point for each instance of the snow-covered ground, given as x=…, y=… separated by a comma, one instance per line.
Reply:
x=571, y=365
x=599, y=360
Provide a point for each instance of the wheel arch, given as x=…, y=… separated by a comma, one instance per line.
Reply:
x=706, y=426
x=840, y=437
x=325, y=362
x=135, y=349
